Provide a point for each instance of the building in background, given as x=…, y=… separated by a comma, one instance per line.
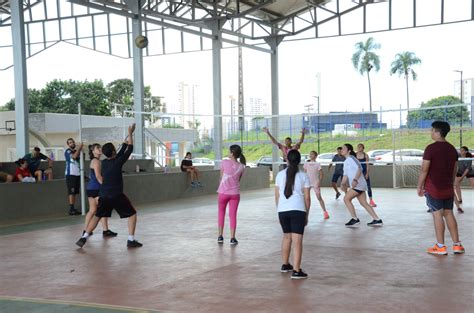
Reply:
x=467, y=90
x=185, y=106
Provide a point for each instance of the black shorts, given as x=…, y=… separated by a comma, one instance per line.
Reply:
x=469, y=175
x=438, y=204
x=359, y=191
x=292, y=221
x=93, y=193
x=120, y=203
x=73, y=184
x=336, y=176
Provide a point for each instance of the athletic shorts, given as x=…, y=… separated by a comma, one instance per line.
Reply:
x=120, y=203
x=438, y=204
x=292, y=221
x=469, y=175
x=336, y=176
x=73, y=184
x=93, y=193
x=359, y=191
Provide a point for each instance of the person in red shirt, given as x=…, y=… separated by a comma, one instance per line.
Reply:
x=438, y=171
x=22, y=170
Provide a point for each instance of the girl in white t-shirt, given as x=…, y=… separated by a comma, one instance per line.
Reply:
x=293, y=202
x=314, y=171
x=354, y=178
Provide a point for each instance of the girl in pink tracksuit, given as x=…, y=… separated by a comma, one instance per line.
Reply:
x=229, y=191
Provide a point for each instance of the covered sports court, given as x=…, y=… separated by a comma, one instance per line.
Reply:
x=181, y=268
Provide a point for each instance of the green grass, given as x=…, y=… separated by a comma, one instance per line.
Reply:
x=414, y=139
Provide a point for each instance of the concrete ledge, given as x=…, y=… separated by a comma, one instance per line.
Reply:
x=48, y=199
x=60, y=166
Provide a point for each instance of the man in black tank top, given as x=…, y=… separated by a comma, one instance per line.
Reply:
x=111, y=194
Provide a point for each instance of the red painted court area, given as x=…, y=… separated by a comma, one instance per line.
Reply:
x=181, y=268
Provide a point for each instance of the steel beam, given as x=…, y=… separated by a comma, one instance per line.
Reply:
x=19, y=61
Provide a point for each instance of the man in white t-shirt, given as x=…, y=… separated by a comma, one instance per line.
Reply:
x=72, y=173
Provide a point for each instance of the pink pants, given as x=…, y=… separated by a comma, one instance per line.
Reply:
x=233, y=201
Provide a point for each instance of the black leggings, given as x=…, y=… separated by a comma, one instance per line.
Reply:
x=369, y=188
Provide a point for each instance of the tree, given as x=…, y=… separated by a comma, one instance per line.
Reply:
x=364, y=60
x=63, y=96
x=424, y=117
x=403, y=65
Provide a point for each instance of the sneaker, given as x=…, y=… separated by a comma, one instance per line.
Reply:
x=299, y=275
x=460, y=210
x=193, y=184
x=338, y=194
x=326, y=215
x=458, y=249
x=437, y=250
x=285, y=268
x=233, y=241
x=199, y=184
x=372, y=203
x=353, y=222
x=220, y=239
x=109, y=233
x=375, y=223
x=133, y=244
x=81, y=242
x=91, y=233
x=74, y=212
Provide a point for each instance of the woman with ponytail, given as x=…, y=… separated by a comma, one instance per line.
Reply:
x=293, y=202
x=354, y=178
x=229, y=191
x=93, y=186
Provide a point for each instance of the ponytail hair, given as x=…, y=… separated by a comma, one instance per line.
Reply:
x=236, y=152
x=91, y=149
x=351, y=149
x=294, y=159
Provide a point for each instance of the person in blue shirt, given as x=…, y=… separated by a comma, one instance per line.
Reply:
x=34, y=160
x=72, y=173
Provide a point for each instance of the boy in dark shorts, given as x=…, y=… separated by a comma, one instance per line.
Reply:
x=338, y=171
x=111, y=194
x=438, y=171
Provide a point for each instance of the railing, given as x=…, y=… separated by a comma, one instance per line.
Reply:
x=162, y=150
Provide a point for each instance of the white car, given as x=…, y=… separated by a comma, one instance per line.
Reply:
x=325, y=158
x=203, y=162
x=412, y=156
x=373, y=154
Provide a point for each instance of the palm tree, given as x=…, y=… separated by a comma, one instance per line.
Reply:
x=403, y=66
x=364, y=60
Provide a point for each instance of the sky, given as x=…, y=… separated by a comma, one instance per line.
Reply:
x=442, y=50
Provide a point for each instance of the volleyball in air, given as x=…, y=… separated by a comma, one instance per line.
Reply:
x=141, y=41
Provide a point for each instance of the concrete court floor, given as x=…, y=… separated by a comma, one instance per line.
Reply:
x=182, y=269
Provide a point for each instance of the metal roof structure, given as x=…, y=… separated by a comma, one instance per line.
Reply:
x=177, y=26
x=105, y=25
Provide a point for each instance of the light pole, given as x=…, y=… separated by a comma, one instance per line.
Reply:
x=460, y=109
x=317, y=97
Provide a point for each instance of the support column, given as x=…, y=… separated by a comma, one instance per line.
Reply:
x=138, y=85
x=19, y=61
x=273, y=42
x=217, y=88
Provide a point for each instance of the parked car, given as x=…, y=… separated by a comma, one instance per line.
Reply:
x=373, y=154
x=266, y=161
x=415, y=155
x=325, y=158
x=203, y=162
